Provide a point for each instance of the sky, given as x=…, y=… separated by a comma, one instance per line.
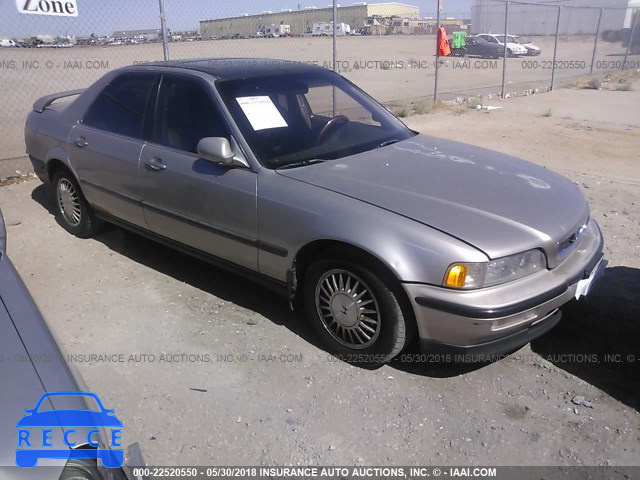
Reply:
x=103, y=17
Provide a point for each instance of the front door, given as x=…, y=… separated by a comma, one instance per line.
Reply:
x=188, y=199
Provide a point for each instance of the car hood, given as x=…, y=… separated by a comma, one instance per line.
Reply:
x=499, y=204
x=21, y=388
x=30, y=367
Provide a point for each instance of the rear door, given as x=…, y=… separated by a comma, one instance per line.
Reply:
x=105, y=145
x=188, y=199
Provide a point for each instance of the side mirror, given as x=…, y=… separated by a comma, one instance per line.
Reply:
x=218, y=150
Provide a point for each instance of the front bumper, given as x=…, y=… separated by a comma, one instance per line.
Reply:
x=500, y=319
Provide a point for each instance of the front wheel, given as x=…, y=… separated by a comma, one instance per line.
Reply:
x=72, y=210
x=356, y=314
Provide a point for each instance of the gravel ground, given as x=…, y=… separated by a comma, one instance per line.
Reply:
x=216, y=370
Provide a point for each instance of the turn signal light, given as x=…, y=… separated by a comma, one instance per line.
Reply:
x=456, y=276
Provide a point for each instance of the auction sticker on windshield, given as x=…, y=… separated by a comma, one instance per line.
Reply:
x=261, y=112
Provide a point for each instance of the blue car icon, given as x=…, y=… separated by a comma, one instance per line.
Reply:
x=111, y=458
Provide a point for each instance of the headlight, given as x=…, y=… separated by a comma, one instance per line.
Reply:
x=495, y=272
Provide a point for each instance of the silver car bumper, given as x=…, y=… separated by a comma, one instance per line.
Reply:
x=500, y=319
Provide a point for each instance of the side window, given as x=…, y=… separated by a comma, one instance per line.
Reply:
x=186, y=114
x=120, y=107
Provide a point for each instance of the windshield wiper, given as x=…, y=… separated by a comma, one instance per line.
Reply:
x=388, y=142
x=302, y=163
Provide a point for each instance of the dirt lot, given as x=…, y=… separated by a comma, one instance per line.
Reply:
x=394, y=69
x=269, y=395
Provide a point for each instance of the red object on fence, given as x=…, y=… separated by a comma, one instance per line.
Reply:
x=444, y=48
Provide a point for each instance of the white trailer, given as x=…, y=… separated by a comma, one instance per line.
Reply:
x=326, y=29
x=277, y=30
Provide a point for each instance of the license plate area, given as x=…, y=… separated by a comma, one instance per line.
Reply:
x=584, y=286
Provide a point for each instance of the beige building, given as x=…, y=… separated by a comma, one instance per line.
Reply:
x=301, y=21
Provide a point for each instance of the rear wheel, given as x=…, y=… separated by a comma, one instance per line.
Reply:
x=357, y=315
x=72, y=210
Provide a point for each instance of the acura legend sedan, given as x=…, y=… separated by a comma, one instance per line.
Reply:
x=291, y=174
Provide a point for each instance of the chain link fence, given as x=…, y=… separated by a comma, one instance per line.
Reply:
x=389, y=49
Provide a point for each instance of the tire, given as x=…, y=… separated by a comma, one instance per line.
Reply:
x=509, y=53
x=370, y=340
x=73, y=212
x=80, y=470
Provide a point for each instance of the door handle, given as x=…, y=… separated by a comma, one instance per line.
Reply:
x=155, y=164
x=81, y=142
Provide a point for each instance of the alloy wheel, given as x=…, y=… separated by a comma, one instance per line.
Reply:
x=69, y=202
x=348, y=309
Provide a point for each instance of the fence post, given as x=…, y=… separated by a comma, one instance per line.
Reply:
x=335, y=26
x=335, y=53
x=163, y=28
x=595, y=44
x=435, y=81
x=555, y=49
x=504, y=60
x=631, y=37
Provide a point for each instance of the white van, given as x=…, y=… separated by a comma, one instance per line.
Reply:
x=7, y=43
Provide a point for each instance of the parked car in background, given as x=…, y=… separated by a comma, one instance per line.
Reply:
x=32, y=365
x=292, y=175
x=478, y=47
x=5, y=42
x=532, y=49
x=513, y=49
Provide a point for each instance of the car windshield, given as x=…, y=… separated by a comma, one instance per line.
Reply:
x=522, y=40
x=295, y=119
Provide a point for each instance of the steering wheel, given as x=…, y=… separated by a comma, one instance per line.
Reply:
x=333, y=124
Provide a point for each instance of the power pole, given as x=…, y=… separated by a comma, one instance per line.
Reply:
x=163, y=28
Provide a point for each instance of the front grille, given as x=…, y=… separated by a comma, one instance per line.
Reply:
x=569, y=244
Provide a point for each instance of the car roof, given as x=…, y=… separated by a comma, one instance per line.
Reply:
x=235, y=68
